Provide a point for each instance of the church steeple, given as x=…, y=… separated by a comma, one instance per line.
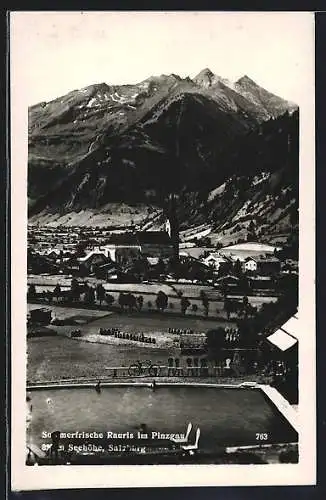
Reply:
x=168, y=227
x=172, y=225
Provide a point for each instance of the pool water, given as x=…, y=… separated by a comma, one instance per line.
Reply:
x=226, y=416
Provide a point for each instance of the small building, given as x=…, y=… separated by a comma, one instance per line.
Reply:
x=93, y=261
x=267, y=265
x=262, y=283
x=215, y=261
x=40, y=316
x=290, y=266
x=250, y=265
x=229, y=281
x=107, y=271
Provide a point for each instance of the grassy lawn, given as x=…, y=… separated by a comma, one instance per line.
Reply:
x=63, y=313
x=58, y=358
x=53, y=358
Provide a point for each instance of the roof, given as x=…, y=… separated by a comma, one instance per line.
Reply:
x=239, y=257
x=139, y=238
x=109, y=265
x=91, y=254
x=263, y=259
x=153, y=238
x=153, y=261
x=282, y=340
x=122, y=239
x=216, y=257
x=286, y=336
x=228, y=276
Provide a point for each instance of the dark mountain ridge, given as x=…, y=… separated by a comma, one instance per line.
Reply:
x=134, y=143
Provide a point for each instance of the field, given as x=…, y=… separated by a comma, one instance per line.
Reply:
x=55, y=358
x=72, y=313
x=149, y=292
x=59, y=358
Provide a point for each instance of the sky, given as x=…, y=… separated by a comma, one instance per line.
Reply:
x=56, y=52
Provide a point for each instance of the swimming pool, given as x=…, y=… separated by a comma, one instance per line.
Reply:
x=226, y=416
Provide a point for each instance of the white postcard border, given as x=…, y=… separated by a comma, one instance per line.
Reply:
x=55, y=477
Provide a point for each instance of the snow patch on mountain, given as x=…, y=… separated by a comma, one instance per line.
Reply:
x=216, y=192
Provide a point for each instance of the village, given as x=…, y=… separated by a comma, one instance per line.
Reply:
x=146, y=309
x=194, y=309
x=138, y=256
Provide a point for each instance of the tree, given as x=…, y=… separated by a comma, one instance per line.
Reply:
x=251, y=227
x=215, y=339
x=205, y=301
x=140, y=302
x=127, y=300
x=122, y=301
x=224, y=289
x=161, y=301
x=194, y=308
x=31, y=292
x=49, y=296
x=185, y=303
x=160, y=267
x=244, y=284
x=109, y=299
x=75, y=289
x=90, y=295
x=57, y=291
x=131, y=302
x=81, y=247
x=237, y=268
x=100, y=293
x=245, y=306
x=228, y=308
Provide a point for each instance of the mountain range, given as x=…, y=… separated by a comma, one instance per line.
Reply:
x=106, y=146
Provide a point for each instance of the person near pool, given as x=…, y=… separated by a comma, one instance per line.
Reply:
x=98, y=387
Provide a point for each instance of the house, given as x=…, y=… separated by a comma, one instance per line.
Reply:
x=108, y=271
x=290, y=266
x=250, y=265
x=264, y=265
x=93, y=260
x=262, y=283
x=228, y=281
x=215, y=261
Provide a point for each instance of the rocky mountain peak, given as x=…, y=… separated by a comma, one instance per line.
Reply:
x=206, y=78
x=246, y=80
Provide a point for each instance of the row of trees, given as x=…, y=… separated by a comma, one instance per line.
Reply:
x=241, y=309
x=127, y=301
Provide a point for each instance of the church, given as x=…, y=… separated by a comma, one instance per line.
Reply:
x=130, y=246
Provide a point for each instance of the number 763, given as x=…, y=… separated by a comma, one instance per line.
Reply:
x=261, y=437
